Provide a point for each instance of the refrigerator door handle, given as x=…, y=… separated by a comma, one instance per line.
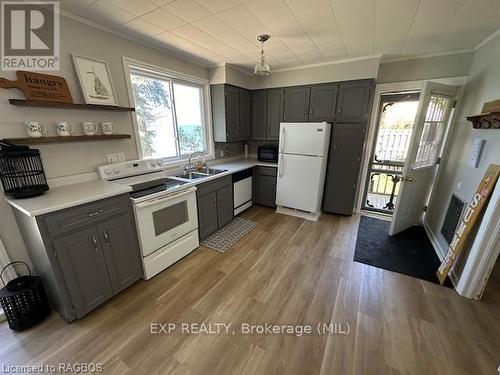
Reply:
x=282, y=139
x=281, y=166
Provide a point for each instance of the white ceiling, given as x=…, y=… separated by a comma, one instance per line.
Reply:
x=303, y=32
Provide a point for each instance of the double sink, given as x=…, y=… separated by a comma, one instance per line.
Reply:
x=203, y=173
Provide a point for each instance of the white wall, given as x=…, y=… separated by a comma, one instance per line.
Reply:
x=455, y=65
x=483, y=85
x=77, y=158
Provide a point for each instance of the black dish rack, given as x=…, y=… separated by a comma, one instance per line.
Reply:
x=23, y=300
x=21, y=171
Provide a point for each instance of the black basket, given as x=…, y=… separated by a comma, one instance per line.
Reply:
x=23, y=300
x=21, y=171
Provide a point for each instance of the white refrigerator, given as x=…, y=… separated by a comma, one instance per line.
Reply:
x=303, y=154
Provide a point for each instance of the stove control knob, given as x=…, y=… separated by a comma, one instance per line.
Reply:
x=116, y=171
x=107, y=172
x=153, y=164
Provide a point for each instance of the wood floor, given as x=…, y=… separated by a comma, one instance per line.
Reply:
x=286, y=271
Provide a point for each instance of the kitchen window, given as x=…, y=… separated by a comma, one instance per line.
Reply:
x=171, y=114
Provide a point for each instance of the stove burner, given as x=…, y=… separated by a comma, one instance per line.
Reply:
x=156, y=186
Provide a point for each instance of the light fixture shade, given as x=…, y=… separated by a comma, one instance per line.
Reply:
x=262, y=69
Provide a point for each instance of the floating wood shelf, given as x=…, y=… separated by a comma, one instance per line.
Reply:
x=72, y=138
x=37, y=103
x=489, y=120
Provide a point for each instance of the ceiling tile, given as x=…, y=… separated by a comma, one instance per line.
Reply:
x=143, y=27
x=137, y=7
x=190, y=32
x=106, y=13
x=389, y=35
x=164, y=19
x=215, y=6
x=244, y=22
x=188, y=10
x=355, y=20
x=75, y=5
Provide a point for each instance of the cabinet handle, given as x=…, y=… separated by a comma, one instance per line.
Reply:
x=340, y=110
x=305, y=111
x=106, y=238
x=215, y=200
x=311, y=112
x=94, y=213
x=94, y=242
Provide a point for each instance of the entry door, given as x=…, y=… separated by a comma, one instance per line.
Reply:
x=431, y=122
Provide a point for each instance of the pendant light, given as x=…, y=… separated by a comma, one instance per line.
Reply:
x=262, y=69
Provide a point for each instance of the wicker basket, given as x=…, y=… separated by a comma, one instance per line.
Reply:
x=23, y=300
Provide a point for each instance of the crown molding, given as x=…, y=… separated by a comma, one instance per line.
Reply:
x=429, y=55
x=335, y=62
x=484, y=42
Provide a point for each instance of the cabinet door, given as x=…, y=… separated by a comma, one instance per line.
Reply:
x=344, y=162
x=245, y=115
x=207, y=214
x=296, y=108
x=121, y=252
x=265, y=190
x=353, y=101
x=225, y=205
x=232, y=110
x=323, y=103
x=259, y=115
x=274, y=113
x=82, y=264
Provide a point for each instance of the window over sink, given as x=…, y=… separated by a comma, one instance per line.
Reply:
x=171, y=112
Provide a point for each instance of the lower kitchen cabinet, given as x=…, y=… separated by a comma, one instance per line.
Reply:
x=215, y=205
x=84, y=269
x=265, y=186
x=84, y=254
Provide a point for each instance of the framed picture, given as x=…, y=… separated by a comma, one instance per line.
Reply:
x=95, y=80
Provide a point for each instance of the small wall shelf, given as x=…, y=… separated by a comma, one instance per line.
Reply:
x=39, y=104
x=490, y=120
x=72, y=138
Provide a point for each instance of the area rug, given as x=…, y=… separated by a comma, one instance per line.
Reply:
x=409, y=252
x=224, y=238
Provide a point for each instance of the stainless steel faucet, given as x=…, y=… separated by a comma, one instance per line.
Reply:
x=191, y=155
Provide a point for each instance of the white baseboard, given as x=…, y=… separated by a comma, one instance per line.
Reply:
x=440, y=252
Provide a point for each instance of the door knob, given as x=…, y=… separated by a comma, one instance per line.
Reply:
x=407, y=179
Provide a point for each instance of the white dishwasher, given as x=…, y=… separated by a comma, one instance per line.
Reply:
x=242, y=190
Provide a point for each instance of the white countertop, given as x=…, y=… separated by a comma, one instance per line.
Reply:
x=60, y=197
x=65, y=196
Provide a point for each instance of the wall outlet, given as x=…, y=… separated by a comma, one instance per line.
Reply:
x=117, y=157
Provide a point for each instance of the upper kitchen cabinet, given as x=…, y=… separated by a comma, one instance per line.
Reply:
x=228, y=102
x=323, y=103
x=259, y=115
x=353, y=101
x=274, y=111
x=296, y=107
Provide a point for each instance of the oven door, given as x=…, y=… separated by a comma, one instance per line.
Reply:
x=165, y=219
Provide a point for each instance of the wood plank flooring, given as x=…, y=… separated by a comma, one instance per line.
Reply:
x=286, y=271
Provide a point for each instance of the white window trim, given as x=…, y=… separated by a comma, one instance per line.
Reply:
x=162, y=72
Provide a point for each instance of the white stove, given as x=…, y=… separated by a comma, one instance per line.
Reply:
x=165, y=212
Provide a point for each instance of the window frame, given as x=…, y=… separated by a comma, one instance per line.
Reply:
x=130, y=65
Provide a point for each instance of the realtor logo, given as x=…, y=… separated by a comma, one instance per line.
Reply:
x=30, y=35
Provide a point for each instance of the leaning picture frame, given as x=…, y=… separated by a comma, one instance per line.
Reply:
x=95, y=80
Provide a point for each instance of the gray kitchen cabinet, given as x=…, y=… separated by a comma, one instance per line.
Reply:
x=207, y=214
x=296, y=106
x=344, y=163
x=265, y=186
x=245, y=114
x=274, y=111
x=259, y=115
x=224, y=205
x=323, y=103
x=122, y=260
x=215, y=205
x=353, y=101
x=84, y=254
x=227, y=103
x=84, y=269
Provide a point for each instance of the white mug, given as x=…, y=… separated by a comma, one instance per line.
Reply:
x=64, y=128
x=89, y=128
x=34, y=129
x=107, y=128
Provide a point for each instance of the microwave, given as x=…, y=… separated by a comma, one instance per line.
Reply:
x=268, y=153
